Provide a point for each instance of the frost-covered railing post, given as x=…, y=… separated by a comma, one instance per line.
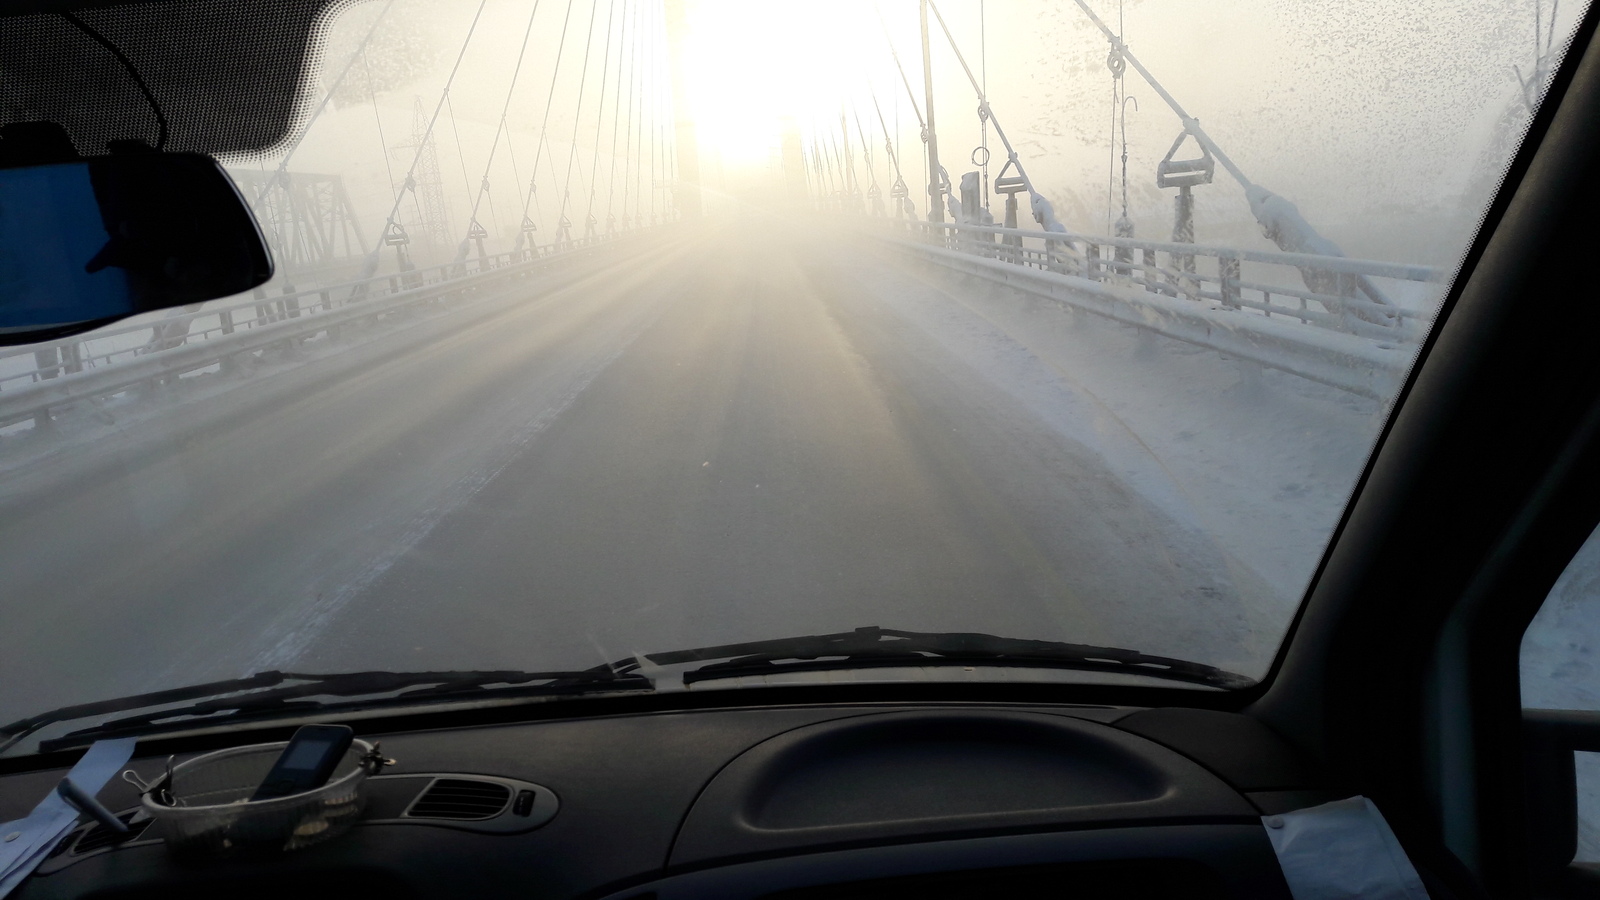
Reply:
x=1149, y=277
x=1052, y=258
x=1228, y=277
x=1344, y=287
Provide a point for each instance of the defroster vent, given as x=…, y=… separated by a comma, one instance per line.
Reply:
x=460, y=800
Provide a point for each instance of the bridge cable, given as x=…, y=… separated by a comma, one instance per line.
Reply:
x=599, y=120
x=505, y=110
x=669, y=114
x=1043, y=211
x=894, y=158
x=902, y=69
x=874, y=193
x=838, y=157
x=511, y=154
x=667, y=123
x=461, y=156
x=372, y=96
x=564, y=225
x=853, y=181
x=371, y=264
x=647, y=52
x=647, y=109
x=544, y=135
x=668, y=120
x=361, y=49
x=866, y=147
x=983, y=68
x=616, y=123
x=647, y=113
x=1279, y=218
x=831, y=158
x=629, y=170
x=824, y=169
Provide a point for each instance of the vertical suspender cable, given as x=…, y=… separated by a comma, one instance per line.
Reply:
x=888, y=144
x=983, y=66
x=1278, y=217
x=361, y=50
x=866, y=147
x=670, y=105
x=372, y=96
x=371, y=265
x=1042, y=210
x=599, y=120
x=647, y=113
x=912, y=95
x=563, y=225
x=629, y=170
x=388, y=167
x=902, y=70
x=659, y=68
x=505, y=109
x=461, y=157
x=544, y=123
x=647, y=116
x=616, y=122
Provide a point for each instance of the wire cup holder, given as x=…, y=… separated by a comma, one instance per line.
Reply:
x=204, y=808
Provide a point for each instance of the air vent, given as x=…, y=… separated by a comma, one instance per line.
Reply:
x=100, y=837
x=460, y=800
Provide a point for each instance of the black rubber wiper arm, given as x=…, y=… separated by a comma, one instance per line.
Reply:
x=276, y=692
x=886, y=647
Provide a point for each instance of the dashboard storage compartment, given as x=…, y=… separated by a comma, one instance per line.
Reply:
x=891, y=775
x=211, y=811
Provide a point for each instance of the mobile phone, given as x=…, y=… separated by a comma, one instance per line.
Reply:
x=312, y=755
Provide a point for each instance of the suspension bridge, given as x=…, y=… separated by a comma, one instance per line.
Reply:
x=484, y=421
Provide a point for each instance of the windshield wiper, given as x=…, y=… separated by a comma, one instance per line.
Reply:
x=885, y=648
x=268, y=694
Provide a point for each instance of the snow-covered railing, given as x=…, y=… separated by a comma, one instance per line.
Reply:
x=111, y=360
x=1248, y=304
x=1315, y=290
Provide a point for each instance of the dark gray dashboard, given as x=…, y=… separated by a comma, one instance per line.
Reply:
x=889, y=800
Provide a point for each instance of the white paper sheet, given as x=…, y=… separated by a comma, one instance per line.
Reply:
x=25, y=842
x=1341, y=851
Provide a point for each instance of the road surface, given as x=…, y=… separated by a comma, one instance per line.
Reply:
x=728, y=438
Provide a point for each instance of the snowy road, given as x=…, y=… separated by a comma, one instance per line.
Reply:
x=735, y=437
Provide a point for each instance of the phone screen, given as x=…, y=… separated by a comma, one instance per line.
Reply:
x=304, y=755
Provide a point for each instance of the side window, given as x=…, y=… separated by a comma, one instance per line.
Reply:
x=1561, y=670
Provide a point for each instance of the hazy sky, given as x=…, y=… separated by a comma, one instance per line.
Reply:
x=1372, y=116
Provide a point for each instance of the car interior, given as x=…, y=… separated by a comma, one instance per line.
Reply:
x=1398, y=680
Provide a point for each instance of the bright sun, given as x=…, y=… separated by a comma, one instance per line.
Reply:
x=752, y=65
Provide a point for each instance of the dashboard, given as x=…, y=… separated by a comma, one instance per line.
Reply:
x=794, y=802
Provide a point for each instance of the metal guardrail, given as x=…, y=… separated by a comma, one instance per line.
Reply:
x=1203, y=295
x=112, y=360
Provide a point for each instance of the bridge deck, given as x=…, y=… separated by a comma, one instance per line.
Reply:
x=736, y=434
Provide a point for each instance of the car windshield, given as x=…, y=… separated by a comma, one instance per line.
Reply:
x=610, y=328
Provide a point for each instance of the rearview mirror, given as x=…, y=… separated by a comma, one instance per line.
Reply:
x=86, y=242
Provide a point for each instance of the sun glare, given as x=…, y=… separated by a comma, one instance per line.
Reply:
x=750, y=66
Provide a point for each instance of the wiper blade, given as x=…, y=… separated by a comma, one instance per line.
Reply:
x=275, y=693
x=875, y=647
x=269, y=694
